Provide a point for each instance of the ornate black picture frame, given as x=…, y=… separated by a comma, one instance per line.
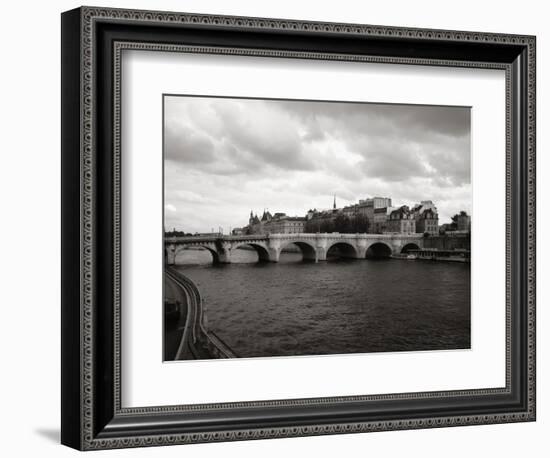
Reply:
x=92, y=42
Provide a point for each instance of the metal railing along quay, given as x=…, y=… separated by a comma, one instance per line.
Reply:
x=197, y=341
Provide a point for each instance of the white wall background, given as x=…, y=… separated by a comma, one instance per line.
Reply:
x=30, y=240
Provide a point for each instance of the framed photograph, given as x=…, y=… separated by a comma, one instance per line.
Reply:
x=277, y=228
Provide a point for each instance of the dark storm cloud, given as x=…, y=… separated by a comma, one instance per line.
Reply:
x=226, y=156
x=395, y=141
x=420, y=120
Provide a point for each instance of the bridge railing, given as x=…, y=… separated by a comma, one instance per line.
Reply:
x=204, y=238
x=298, y=235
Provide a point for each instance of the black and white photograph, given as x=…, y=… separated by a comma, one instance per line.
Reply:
x=304, y=227
x=280, y=222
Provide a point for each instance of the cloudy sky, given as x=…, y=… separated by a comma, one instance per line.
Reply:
x=225, y=157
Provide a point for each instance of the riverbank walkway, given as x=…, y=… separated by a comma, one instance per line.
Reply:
x=195, y=341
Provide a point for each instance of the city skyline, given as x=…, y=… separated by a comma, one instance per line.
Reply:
x=259, y=214
x=225, y=157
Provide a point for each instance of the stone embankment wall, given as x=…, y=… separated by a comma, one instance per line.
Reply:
x=448, y=242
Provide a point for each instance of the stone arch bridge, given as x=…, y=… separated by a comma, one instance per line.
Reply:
x=314, y=247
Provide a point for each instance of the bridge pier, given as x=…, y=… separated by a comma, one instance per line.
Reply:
x=222, y=252
x=273, y=255
x=307, y=256
x=224, y=257
x=321, y=254
x=361, y=252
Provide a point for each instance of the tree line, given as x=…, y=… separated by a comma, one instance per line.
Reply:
x=341, y=223
x=175, y=233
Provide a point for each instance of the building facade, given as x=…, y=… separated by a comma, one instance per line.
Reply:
x=427, y=222
x=402, y=221
x=279, y=223
x=372, y=215
x=368, y=208
x=463, y=222
x=285, y=225
x=426, y=217
x=380, y=220
x=254, y=224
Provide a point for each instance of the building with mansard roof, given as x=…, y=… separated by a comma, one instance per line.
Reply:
x=402, y=221
x=427, y=222
x=426, y=217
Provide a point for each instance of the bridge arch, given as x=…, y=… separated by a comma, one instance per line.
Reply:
x=409, y=246
x=378, y=250
x=212, y=251
x=309, y=253
x=341, y=249
x=263, y=253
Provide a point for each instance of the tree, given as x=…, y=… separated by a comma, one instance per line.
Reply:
x=326, y=226
x=361, y=224
x=342, y=223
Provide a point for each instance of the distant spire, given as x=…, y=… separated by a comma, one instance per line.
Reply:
x=334, y=204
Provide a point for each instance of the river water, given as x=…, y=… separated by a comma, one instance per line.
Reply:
x=334, y=307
